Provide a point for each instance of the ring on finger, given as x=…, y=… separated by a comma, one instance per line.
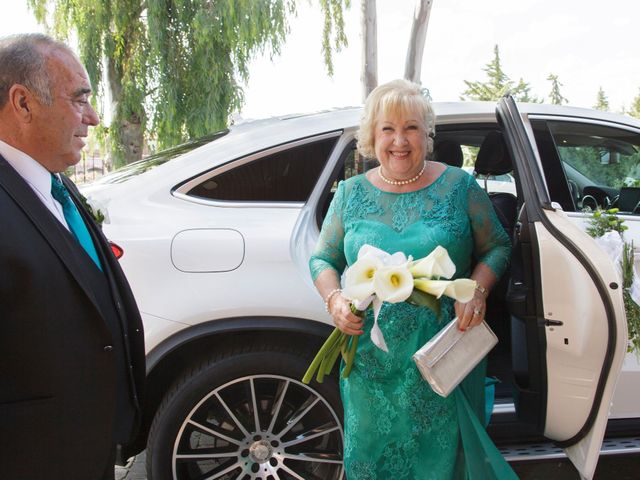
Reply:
x=477, y=311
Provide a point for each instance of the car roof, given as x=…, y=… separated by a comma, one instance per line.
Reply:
x=473, y=111
x=247, y=137
x=257, y=135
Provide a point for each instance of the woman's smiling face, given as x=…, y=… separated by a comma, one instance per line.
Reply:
x=400, y=143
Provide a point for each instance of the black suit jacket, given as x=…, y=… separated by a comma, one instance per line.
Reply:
x=58, y=373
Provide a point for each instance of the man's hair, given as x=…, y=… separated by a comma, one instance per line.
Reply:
x=23, y=60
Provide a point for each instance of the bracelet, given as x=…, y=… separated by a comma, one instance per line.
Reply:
x=482, y=290
x=329, y=297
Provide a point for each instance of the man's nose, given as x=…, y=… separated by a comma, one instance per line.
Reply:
x=90, y=116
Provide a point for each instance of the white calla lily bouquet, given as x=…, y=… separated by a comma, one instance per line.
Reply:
x=378, y=277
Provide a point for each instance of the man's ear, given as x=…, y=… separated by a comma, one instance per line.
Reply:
x=21, y=102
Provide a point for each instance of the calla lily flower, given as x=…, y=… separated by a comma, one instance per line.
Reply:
x=437, y=264
x=377, y=276
x=358, y=281
x=393, y=284
x=367, y=250
x=461, y=289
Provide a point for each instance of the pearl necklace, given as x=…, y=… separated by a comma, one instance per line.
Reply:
x=401, y=182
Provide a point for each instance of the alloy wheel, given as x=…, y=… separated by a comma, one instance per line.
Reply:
x=265, y=427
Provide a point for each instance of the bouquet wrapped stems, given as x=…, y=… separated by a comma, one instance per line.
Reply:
x=337, y=344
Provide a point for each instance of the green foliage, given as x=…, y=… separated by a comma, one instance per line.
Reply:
x=497, y=85
x=596, y=162
x=469, y=155
x=555, y=97
x=635, y=107
x=173, y=66
x=603, y=221
x=602, y=103
x=333, y=20
x=600, y=223
x=632, y=309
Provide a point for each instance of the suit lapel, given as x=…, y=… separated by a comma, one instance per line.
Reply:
x=109, y=262
x=107, y=259
x=59, y=238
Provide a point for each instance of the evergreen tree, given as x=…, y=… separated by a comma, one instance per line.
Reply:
x=602, y=103
x=555, y=97
x=498, y=84
x=172, y=66
x=635, y=107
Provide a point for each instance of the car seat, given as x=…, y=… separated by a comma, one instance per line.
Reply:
x=493, y=159
x=449, y=152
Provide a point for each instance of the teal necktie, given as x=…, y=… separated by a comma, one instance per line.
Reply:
x=73, y=218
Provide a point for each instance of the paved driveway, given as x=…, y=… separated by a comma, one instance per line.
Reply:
x=620, y=467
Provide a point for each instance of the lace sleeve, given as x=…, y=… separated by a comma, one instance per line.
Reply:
x=329, y=251
x=492, y=245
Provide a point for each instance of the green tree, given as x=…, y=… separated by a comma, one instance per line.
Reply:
x=635, y=107
x=602, y=103
x=172, y=66
x=555, y=97
x=497, y=85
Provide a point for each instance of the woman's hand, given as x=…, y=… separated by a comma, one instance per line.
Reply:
x=471, y=313
x=348, y=322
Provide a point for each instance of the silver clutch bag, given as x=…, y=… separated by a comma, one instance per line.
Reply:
x=446, y=359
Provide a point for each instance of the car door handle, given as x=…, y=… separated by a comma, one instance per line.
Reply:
x=553, y=323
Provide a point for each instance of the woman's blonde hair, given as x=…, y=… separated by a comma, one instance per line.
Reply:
x=395, y=96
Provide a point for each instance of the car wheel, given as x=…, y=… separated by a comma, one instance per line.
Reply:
x=247, y=416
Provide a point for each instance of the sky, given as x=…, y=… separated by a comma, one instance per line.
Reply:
x=588, y=44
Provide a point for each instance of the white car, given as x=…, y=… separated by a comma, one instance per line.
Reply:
x=215, y=237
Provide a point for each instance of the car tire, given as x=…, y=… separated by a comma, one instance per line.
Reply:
x=207, y=427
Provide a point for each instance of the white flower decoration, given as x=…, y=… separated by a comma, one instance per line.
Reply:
x=437, y=264
x=359, y=278
x=393, y=284
x=461, y=289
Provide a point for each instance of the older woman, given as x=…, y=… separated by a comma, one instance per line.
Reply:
x=395, y=425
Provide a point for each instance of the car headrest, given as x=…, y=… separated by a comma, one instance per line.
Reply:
x=493, y=158
x=449, y=152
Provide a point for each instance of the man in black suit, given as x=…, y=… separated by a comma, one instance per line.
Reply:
x=71, y=339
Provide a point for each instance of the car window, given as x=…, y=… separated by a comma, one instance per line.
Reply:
x=287, y=175
x=134, y=169
x=601, y=164
x=354, y=164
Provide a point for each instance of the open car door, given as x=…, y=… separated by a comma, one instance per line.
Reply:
x=569, y=333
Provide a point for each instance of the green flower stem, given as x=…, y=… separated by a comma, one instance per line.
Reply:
x=351, y=355
x=331, y=349
x=331, y=359
x=326, y=347
x=327, y=363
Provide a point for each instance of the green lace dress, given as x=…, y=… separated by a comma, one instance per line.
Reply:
x=395, y=426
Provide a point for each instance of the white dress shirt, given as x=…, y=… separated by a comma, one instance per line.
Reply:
x=38, y=178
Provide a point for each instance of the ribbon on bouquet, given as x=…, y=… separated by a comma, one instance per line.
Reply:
x=376, y=334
